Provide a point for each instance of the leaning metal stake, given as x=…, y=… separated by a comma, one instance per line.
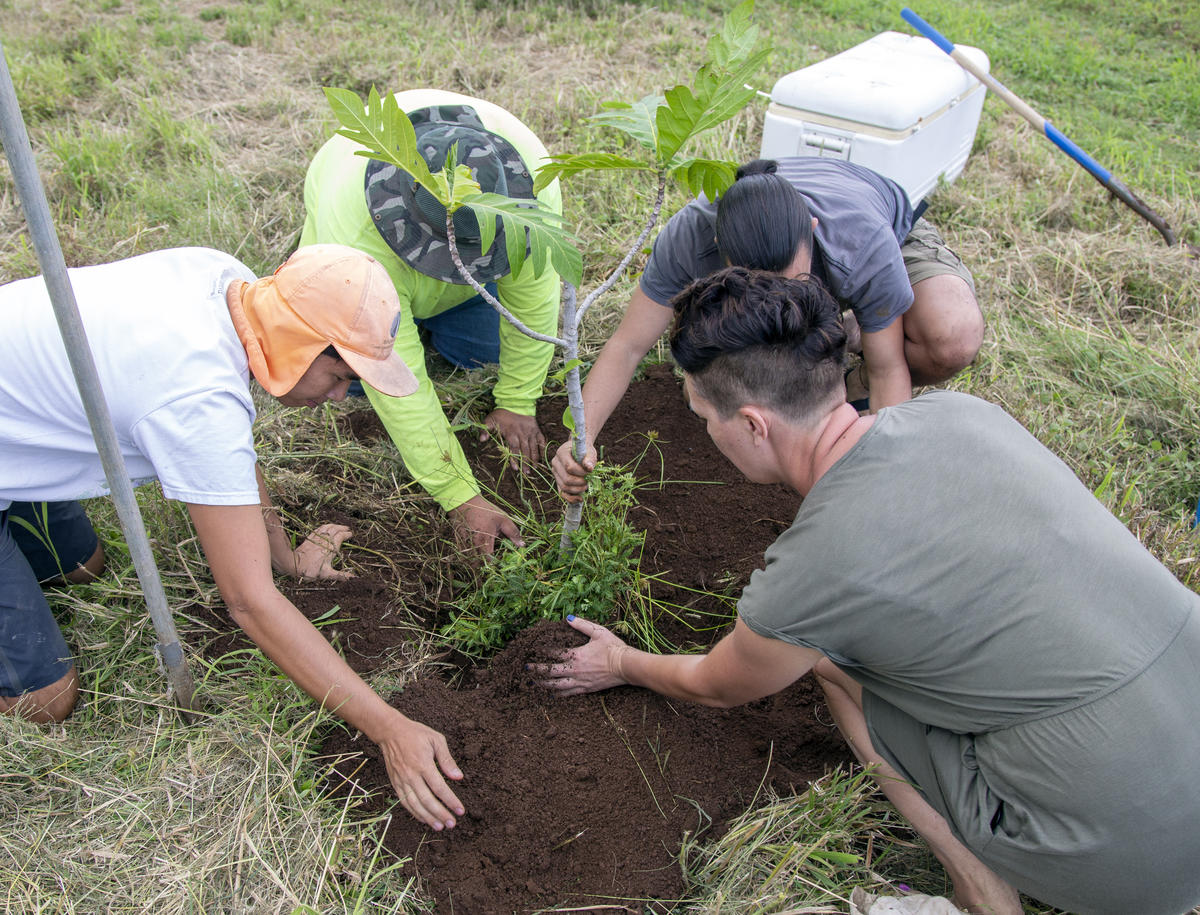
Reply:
x=62, y=297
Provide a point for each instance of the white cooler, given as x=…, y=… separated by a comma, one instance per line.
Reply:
x=895, y=104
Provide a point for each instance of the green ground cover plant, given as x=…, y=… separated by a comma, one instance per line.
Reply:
x=158, y=124
x=599, y=578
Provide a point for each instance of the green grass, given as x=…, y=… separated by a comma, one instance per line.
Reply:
x=158, y=124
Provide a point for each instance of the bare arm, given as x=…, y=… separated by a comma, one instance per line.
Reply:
x=742, y=667
x=887, y=367
x=644, y=322
x=311, y=559
x=235, y=541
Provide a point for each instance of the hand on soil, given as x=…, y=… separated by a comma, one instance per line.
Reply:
x=413, y=756
x=520, y=433
x=314, y=557
x=588, y=668
x=571, y=475
x=477, y=523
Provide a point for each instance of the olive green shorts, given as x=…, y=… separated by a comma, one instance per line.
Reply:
x=925, y=255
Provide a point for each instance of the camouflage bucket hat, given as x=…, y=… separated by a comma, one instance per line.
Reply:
x=411, y=220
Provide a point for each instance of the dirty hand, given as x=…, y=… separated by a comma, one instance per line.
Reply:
x=520, y=434
x=569, y=473
x=478, y=522
x=414, y=754
x=588, y=668
x=314, y=557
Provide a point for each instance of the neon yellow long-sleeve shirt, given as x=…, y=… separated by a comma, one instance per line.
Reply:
x=336, y=212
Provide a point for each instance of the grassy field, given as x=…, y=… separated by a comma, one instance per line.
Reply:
x=159, y=124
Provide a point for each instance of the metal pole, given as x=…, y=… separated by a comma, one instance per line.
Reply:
x=62, y=297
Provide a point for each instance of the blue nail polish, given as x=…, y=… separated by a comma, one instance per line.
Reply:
x=570, y=617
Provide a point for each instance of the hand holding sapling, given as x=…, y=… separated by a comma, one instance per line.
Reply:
x=570, y=474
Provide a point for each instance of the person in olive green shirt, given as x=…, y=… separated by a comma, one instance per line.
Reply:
x=370, y=205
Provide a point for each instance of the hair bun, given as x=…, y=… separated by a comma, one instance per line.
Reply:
x=757, y=167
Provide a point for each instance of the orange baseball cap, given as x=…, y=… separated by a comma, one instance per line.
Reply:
x=322, y=295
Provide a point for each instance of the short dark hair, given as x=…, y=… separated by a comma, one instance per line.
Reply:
x=762, y=221
x=753, y=336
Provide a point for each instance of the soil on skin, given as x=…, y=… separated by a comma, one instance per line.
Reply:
x=581, y=801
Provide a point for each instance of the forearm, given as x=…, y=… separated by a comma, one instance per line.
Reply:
x=427, y=445
x=283, y=557
x=888, y=377
x=294, y=644
x=680, y=676
x=888, y=386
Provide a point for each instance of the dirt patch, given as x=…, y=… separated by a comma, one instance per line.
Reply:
x=583, y=801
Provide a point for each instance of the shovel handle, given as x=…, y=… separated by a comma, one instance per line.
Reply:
x=1052, y=133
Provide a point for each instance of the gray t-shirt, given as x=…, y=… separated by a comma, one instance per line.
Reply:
x=862, y=219
x=1022, y=655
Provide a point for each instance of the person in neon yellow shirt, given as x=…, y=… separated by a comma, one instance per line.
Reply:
x=370, y=205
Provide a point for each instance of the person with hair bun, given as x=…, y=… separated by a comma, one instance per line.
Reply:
x=910, y=303
x=1004, y=663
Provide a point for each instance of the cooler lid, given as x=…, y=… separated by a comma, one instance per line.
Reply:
x=892, y=81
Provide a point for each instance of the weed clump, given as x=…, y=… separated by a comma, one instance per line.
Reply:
x=598, y=579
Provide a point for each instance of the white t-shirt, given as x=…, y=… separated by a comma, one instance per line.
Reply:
x=173, y=372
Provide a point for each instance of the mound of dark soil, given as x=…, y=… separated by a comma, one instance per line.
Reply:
x=582, y=801
x=585, y=801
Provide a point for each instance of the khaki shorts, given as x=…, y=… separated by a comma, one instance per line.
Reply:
x=925, y=255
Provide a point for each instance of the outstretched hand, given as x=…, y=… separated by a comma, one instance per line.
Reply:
x=416, y=757
x=588, y=668
x=570, y=474
x=314, y=557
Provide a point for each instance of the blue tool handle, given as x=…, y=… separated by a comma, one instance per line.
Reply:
x=927, y=30
x=1059, y=139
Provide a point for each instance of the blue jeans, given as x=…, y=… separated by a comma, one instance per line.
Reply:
x=33, y=652
x=467, y=335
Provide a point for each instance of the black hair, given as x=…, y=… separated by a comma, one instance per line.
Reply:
x=754, y=336
x=762, y=221
x=332, y=352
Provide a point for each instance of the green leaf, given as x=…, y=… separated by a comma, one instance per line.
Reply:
x=710, y=177
x=717, y=96
x=737, y=37
x=636, y=120
x=568, y=165
x=547, y=239
x=561, y=375
x=385, y=133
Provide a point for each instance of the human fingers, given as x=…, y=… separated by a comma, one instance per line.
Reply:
x=314, y=557
x=587, y=627
x=484, y=541
x=528, y=451
x=412, y=757
x=440, y=796
x=508, y=529
x=335, y=534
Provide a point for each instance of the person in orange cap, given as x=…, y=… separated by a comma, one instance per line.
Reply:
x=177, y=336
